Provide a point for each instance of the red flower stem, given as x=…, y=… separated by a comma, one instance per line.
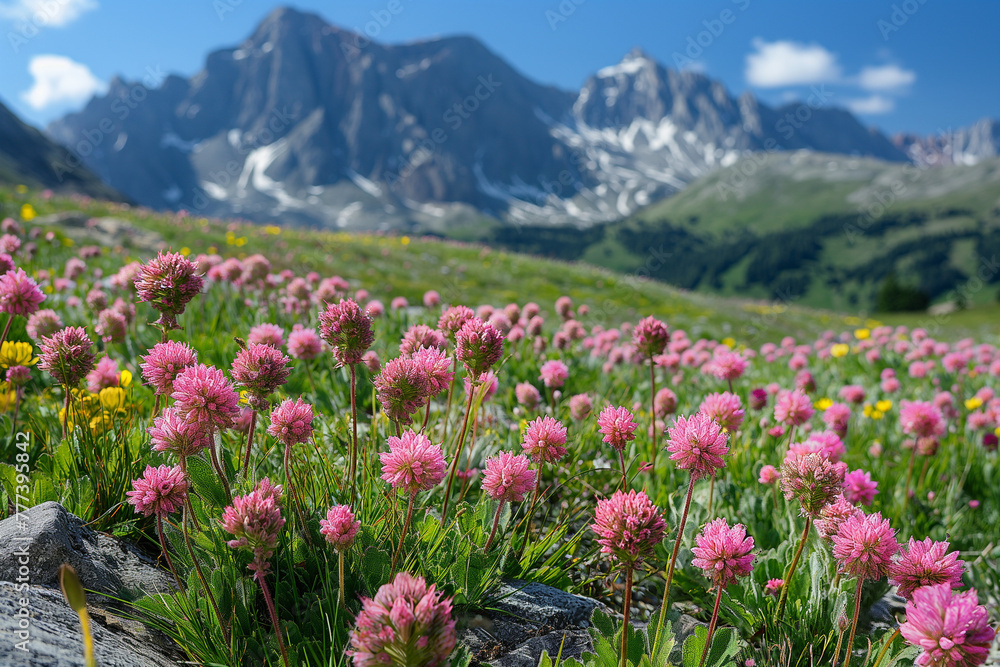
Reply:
x=885, y=648
x=6, y=328
x=427, y=416
x=340, y=567
x=628, y=609
x=621, y=458
x=711, y=628
x=274, y=617
x=253, y=427
x=354, y=432
x=458, y=455
x=406, y=527
x=673, y=562
x=854, y=623
x=166, y=554
x=791, y=570
x=496, y=522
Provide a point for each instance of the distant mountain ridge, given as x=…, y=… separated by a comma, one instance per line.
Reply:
x=298, y=124
x=967, y=145
x=28, y=157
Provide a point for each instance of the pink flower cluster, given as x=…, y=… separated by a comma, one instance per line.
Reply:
x=628, y=526
x=347, y=330
x=160, y=491
x=255, y=520
x=339, y=527
x=413, y=463
x=168, y=282
x=407, y=623
x=697, y=443
x=724, y=553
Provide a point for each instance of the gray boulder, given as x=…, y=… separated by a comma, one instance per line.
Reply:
x=53, y=638
x=527, y=619
x=47, y=535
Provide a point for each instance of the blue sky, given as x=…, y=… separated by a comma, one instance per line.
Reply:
x=902, y=65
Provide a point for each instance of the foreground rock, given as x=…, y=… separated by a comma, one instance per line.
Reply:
x=47, y=535
x=36, y=623
x=531, y=618
x=54, y=637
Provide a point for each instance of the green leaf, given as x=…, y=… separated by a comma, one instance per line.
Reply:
x=693, y=647
x=725, y=645
x=206, y=482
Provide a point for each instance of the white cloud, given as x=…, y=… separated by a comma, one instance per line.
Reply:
x=887, y=77
x=59, y=79
x=787, y=63
x=52, y=13
x=871, y=105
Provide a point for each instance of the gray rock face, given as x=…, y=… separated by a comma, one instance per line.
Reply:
x=51, y=536
x=36, y=543
x=531, y=618
x=54, y=638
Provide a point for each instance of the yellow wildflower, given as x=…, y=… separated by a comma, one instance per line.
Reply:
x=868, y=410
x=884, y=405
x=16, y=353
x=877, y=414
x=973, y=403
x=839, y=350
x=112, y=398
x=28, y=213
x=7, y=397
x=729, y=342
x=862, y=334
x=823, y=403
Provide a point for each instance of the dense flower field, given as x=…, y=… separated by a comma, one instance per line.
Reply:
x=335, y=480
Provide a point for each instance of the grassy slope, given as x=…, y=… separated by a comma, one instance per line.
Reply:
x=472, y=273
x=820, y=230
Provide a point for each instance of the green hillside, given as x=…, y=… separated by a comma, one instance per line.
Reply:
x=807, y=228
